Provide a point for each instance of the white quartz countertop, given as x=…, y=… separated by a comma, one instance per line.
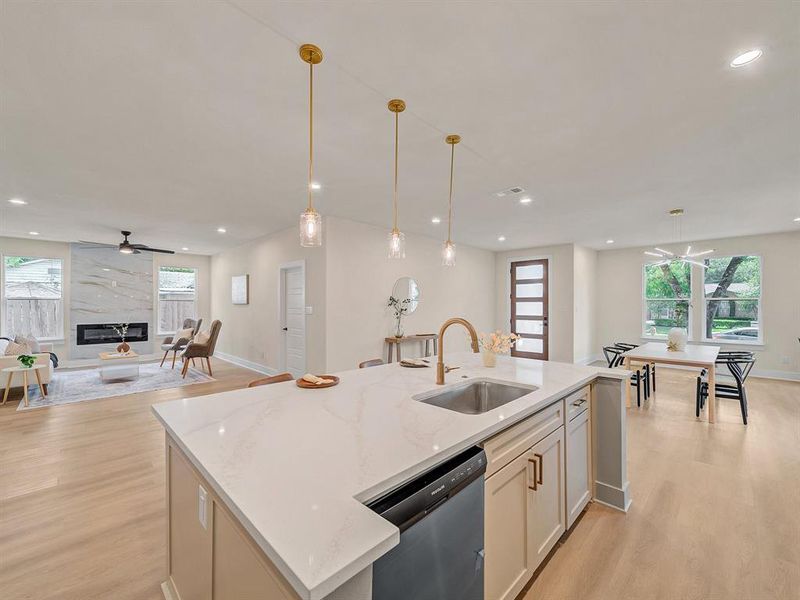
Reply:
x=295, y=465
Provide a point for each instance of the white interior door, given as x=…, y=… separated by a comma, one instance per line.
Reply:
x=294, y=320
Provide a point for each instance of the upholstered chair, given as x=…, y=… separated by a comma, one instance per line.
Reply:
x=202, y=349
x=170, y=344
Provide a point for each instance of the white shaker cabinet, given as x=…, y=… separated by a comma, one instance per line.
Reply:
x=579, y=465
x=548, y=521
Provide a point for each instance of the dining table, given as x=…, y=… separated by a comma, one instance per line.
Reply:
x=693, y=355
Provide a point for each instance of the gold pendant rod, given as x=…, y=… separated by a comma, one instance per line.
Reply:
x=396, y=152
x=310, y=132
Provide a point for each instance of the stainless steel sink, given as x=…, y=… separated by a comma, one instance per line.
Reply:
x=476, y=397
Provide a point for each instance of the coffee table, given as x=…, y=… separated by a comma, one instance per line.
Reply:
x=117, y=366
x=24, y=371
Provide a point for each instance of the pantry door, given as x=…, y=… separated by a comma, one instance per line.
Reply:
x=529, y=293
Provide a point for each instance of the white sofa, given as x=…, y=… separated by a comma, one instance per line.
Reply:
x=43, y=358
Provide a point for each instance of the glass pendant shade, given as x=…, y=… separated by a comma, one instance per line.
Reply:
x=397, y=244
x=310, y=228
x=449, y=254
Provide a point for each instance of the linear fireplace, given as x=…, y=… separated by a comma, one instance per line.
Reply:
x=103, y=333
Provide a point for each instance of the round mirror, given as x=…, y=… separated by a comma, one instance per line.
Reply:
x=407, y=289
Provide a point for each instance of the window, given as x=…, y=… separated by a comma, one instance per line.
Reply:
x=667, y=294
x=32, y=297
x=177, y=297
x=732, y=289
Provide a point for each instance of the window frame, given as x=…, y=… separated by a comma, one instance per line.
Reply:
x=4, y=309
x=158, y=294
x=689, y=301
x=759, y=341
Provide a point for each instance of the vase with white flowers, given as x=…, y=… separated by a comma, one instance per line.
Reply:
x=122, y=330
x=400, y=308
x=495, y=343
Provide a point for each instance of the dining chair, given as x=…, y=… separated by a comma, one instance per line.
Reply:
x=739, y=364
x=202, y=346
x=615, y=359
x=651, y=366
x=373, y=362
x=279, y=378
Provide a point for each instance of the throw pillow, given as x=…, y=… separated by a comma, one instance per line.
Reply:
x=31, y=342
x=183, y=334
x=202, y=338
x=15, y=349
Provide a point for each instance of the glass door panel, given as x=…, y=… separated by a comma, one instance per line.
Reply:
x=529, y=308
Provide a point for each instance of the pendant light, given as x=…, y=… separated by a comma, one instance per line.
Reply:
x=310, y=220
x=397, y=240
x=665, y=256
x=449, y=248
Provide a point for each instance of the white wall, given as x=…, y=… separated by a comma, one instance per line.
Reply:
x=561, y=280
x=360, y=278
x=252, y=332
x=584, y=304
x=619, y=296
x=45, y=249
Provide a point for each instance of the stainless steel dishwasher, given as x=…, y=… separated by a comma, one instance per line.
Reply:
x=440, y=516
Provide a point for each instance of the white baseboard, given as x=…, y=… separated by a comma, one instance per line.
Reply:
x=247, y=364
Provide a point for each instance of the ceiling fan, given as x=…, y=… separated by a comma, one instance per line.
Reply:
x=667, y=257
x=125, y=247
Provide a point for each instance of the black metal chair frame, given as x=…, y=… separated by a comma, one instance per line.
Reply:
x=739, y=364
x=649, y=367
x=614, y=359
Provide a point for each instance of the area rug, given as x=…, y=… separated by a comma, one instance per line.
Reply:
x=67, y=387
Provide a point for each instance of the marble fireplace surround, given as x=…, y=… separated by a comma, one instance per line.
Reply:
x=109, y=287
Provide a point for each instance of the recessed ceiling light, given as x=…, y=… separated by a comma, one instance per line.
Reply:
x=221, y=230
x=17, y=201
x=33, y=233
x=436, y=220
x=746, y=58
x=525, y=200
x=609, y=241
x=184, y=248
x=797, y=219
x=501, y=238
x=315, y=186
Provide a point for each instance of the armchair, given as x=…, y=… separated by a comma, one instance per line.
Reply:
x=172, y=345
x=204, y=350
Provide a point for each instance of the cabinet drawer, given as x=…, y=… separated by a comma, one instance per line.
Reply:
x=508, y=445
x=577, y=402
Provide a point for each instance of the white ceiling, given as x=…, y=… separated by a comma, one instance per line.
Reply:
x=171, y=119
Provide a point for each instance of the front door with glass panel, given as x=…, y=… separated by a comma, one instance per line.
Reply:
x=529, y=308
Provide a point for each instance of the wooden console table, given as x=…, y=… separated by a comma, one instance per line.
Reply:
x=425, y=338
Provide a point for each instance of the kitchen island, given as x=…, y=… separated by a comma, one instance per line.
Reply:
x=289, y=470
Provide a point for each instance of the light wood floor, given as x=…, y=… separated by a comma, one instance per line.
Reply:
x=714, y=514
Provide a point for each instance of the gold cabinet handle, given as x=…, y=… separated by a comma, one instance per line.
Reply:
x=533, y=487
x=541, y=468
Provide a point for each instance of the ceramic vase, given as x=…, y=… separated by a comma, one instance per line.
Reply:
x=489, y=358
x=123, y=348
x=676, y=339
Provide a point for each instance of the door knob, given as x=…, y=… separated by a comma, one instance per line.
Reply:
x=286, y=329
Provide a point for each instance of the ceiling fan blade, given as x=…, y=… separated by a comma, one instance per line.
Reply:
x=667, y=252
x=149, y=249
x=696, y=254
x=98, y=244
x=653, y=254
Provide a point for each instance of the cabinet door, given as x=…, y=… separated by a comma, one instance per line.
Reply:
x=190, y=540
x=547, y=520
x=579, y=481
x=239, y=571
x=506, y=527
